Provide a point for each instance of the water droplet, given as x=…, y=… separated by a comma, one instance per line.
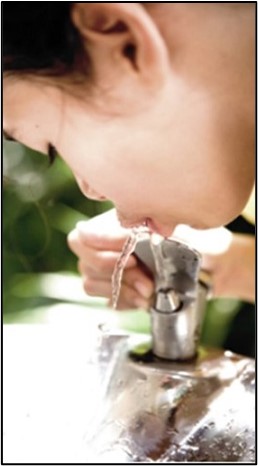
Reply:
x=120, y=383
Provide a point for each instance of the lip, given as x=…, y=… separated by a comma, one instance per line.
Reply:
x=130, y=222
x=149, y=223
x=162, y=230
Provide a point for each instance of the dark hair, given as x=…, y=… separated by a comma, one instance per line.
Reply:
x=39, y=37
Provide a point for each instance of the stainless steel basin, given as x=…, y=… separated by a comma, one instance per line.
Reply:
x=160, y=411
x=81, y=395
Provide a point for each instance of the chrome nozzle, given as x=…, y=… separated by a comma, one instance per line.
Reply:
x=167, y=301
x=177, y=313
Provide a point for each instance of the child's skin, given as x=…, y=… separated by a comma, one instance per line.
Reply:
x=164, y=126
x=229, y=258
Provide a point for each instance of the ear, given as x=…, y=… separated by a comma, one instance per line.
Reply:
x=123, y=42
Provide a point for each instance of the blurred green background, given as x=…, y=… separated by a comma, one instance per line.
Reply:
x=41, y=205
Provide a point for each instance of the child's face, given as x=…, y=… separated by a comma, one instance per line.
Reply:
x=176, y=147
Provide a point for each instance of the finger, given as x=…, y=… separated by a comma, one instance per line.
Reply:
x=102, y=271
x=128, y=297
x=102, y=262
x=101, y=239
x=139, y=281
x=211, y=240
x=97, y=259
x=133, y=277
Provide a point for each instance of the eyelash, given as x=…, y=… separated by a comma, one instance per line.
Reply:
x=51, y=150
x=52, y=153
x=7, y=137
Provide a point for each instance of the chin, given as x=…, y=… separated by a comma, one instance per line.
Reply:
x=160, y=229
x=224, y=218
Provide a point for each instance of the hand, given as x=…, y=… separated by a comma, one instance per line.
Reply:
x=233, y=272
x=98, y=243
x=230, y=259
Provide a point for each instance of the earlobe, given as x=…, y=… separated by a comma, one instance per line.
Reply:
x=122, y=37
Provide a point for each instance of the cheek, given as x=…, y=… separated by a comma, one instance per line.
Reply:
x=129, y=192
x=118, y=179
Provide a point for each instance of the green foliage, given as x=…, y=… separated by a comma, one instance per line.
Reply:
x=41, y=204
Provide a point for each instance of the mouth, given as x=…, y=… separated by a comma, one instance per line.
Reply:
x=151, y=225
x=129, y=222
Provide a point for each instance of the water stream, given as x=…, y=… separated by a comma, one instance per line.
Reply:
x=128, y=248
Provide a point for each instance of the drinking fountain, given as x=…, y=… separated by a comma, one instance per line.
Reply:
x=91, y=393
x=167, y=399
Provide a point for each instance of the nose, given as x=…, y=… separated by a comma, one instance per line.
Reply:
x=89, y=192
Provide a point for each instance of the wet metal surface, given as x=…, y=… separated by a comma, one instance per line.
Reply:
x=78, y=395
x=162, y=411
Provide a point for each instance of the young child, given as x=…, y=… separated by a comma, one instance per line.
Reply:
x=152, y=106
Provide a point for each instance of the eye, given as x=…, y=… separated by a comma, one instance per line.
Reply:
x=8, y=137
x=52, y=153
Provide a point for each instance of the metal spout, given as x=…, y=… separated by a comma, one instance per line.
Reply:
x=179, y=304
x=167, y=301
